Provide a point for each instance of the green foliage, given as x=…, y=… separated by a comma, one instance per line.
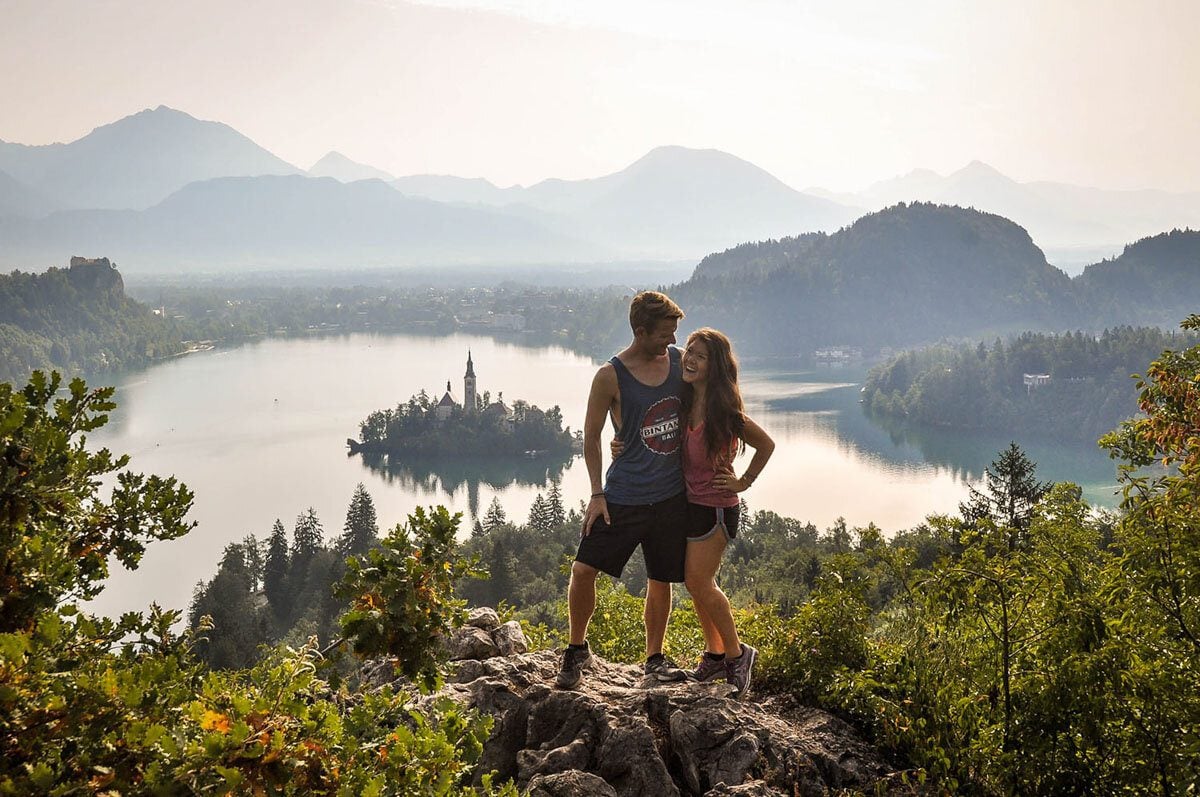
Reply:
x=932, y=271
x=826, y=638
x=361, y=530
x=275, y=574
x=526, y=568
x=982, y=387
x=229, y=607
x=1012, y=494
x=56, y=534
x=415, y=429
x=402, y=595
x=495, y=517
x=100, y=706
x=1153, y=281
x=77, y=320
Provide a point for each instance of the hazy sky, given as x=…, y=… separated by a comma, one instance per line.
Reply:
x=836, y=94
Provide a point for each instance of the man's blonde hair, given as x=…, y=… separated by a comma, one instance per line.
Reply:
x=648, y=308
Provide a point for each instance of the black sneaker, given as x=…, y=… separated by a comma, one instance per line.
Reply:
x=737, y=671
x=663, y=669
x=709, y=669
x=574, y=662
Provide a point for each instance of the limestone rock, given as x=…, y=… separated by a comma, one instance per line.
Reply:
x=470, y=642
x=755, y=788
x=483, y=617
x=572, y=783
x=640, y=738
x=510, y=639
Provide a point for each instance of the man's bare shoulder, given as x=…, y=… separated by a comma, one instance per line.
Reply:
x=605, y=380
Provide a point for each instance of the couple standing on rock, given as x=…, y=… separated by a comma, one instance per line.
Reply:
x=671, y=488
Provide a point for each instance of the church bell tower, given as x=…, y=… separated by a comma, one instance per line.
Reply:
x=469, y=385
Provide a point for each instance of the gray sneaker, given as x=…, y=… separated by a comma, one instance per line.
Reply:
x=574, y=662
x=708, y=669
x=663, y=669
x=737, y=671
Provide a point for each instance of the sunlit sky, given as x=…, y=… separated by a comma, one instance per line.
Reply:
x=831, y=94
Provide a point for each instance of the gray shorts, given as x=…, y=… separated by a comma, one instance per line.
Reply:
x=705, y=521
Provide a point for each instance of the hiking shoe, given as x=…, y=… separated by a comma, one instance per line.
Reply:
x=709, y=669
x=663, y=669
x=574, y=662
x=737, y=671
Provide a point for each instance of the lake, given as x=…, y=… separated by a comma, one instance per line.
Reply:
x=259, y=432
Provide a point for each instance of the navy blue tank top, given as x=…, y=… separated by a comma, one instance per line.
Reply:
x=648, y=469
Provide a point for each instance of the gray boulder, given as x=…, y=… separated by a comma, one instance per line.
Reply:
x=510, y=639
x=470, y=642
x=570, y=784
x=483, y=617
x=755, y=788
x=640, y=738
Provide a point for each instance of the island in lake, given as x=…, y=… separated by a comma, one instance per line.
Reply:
x=477, y=428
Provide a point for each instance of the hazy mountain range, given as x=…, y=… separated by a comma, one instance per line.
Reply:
x=162, y=190
x=137, y=161
x=919, y=272
x=1074, y=225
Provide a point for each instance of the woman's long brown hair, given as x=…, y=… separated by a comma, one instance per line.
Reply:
x=724, y=413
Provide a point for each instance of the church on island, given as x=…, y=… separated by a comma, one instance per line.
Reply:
x=478, y=427
x=471, y=403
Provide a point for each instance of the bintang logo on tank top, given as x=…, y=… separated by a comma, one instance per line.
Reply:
x=660, y=426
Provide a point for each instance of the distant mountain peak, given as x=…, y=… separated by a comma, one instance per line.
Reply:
x=166, y=110
x=336, y=165
x=138, y=160
x=157, y=116
x=332, y=157
x=979, y=169
x=676, y=153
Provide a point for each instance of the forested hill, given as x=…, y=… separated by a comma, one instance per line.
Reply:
x=1156, y=280
x=77, y=320
x=1083, y=392
x=907, y=274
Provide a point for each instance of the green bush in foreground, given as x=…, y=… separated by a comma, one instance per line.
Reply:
x=94, y=705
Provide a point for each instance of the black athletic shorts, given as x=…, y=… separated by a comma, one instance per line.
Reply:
x=660, y=528
x=705, y=521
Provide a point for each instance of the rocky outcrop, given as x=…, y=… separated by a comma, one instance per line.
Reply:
x=96, y=276
x=616, y=734
x=484, y=636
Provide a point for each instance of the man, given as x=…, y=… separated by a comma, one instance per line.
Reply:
x=642, y=502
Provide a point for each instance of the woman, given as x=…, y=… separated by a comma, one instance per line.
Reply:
x=716, y=430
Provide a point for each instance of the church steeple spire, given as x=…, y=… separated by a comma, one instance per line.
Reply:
x=469, y=385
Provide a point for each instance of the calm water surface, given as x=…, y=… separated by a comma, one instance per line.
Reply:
x=259, y=432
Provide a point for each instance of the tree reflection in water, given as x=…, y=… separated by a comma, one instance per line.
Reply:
x=448, y=475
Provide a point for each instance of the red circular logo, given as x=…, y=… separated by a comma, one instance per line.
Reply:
x=660, y=426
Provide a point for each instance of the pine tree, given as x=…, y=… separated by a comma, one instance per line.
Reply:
x=539, y=514
x=253, y=554
x=1012, y=492
x=275, y=569
x=554, y=502
x=361, y=531
x=307, y=542
x=494, y=516
x=307, y=537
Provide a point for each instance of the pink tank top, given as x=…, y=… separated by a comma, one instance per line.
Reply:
x=699, y=470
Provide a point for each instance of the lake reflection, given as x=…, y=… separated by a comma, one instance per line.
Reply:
x=822, y=404
x=259, y=432
x=435, y=477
